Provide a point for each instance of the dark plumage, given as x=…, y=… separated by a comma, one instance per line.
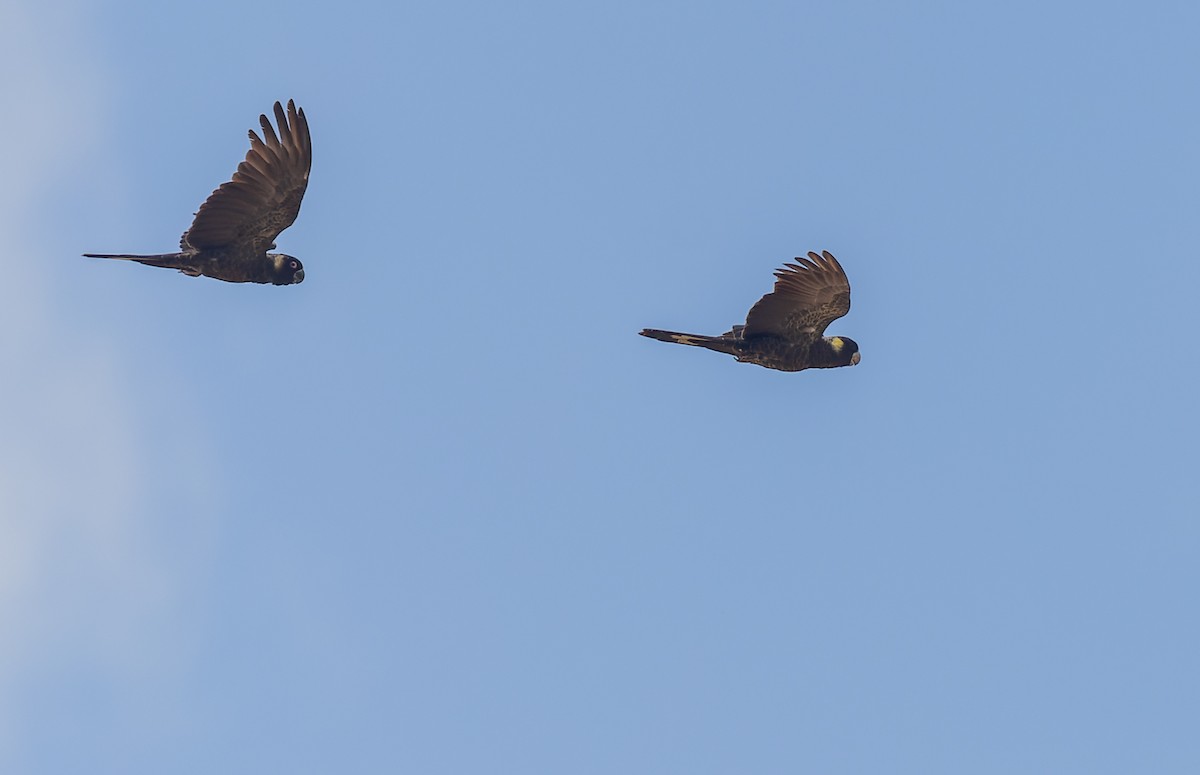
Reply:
x=238, y=223
x=785, y=329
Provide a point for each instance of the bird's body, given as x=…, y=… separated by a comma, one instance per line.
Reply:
x=772, y=352
x=238, y=223
x=232, y=266
x=785, y=329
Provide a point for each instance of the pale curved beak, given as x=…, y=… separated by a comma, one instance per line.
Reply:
x=299, y=277
x=854, y=359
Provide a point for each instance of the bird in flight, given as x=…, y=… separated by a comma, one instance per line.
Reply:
x=239, y=222
x=785, y=330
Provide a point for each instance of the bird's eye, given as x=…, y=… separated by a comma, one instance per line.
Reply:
x=295, y=265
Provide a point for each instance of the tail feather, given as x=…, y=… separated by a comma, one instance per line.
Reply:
x=156, y=259
x=718, y=343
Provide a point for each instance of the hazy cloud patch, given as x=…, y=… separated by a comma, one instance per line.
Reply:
x=83, y=584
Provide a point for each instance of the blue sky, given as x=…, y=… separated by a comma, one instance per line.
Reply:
x=440, y=510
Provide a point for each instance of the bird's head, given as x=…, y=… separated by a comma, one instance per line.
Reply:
x=843, y=351
x=287, y=269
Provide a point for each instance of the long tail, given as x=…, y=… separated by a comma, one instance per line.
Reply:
x=157, y=259
x=718, y=343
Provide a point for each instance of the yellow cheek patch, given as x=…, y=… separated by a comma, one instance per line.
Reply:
x=836, y=343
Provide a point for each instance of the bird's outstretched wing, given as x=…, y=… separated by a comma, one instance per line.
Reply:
x=264, y=196
x=808, y=296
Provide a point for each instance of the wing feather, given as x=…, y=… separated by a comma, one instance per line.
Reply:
x=263, y=197
x=809, y=295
